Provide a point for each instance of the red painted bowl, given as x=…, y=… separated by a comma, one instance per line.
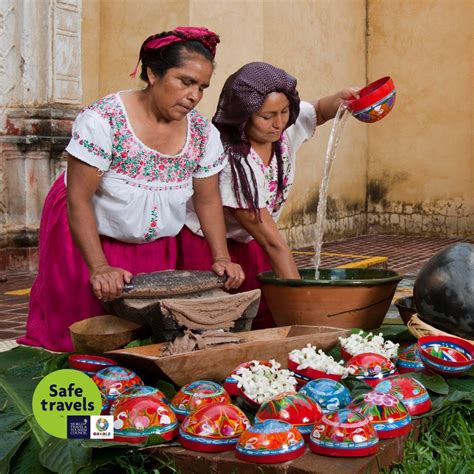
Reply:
x=409, y=360
x=139, y=391
x=375, y=101
x=371, y=368
x=269, y=442
x=196, y=394
x=295, y=408
x=411, y=392
x=213, y=428
x=230, y=383
x=386, y=412
x=90, y=364
x=344, y=433
x=142, y=415
x=303, y=376
x=446, y=355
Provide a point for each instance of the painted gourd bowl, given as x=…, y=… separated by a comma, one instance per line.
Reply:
x=295, y=408
x=346, y=356
x=213, y=428
x=411, y=392
x=303, y=376
x=371, y=368
x=446, y=355
x=409, y=360
x=344, y=433
x=141, y=416
x=375, y=101
x=329, y=394
x=196, y=394
x=112, y=381
x=230, y=383
x=139, y=391
x=270, y=441
x=89, y=364
x=386, y=412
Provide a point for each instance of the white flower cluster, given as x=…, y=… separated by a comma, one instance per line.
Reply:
x=358, y=343
x=260, y=382
x=309, y=358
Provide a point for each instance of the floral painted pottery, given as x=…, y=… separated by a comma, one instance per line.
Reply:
x=371, y=368
x=196, y=394
x=213, y=428
x=386, y=412
x=90, y=364
x=295, y=408
x=230, y=383
x=270, y=441
x=303, y=376
x=344, y=433
x=139, y=391
x=409, y=360
x=113, y=381
x=329, y=394
x=446, y=355
x=375, y=101
x=142, y=414
x=411, y=392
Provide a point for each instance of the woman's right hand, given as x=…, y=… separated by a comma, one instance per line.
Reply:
x=107, y=281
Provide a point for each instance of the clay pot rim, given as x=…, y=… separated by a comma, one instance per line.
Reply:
x=405, y=302
x=82, y=327
x=384, y=276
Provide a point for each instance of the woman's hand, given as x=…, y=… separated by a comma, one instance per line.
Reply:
x=107, y=282
x=234, y=272
x=326, y=107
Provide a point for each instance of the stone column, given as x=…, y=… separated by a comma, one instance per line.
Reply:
x=40, y=94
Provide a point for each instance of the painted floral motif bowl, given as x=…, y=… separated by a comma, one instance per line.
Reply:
x=113, y=381
x=409, y=360
x=230, y=383
x=446, y=355
x=89, y=364
x=344, y=433
x=213, y=428
x=386, y=412
x=140, y=415
x=295, y=408
x=139, y=391
x=303, y=376
x=375, y=101
x=371, y=368
x=196, y=394
x=270, y=441
x=329, y=394
x=411, y=392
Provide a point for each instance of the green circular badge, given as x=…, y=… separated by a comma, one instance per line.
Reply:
x=61, y=394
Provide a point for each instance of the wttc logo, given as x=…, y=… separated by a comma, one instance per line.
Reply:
x=102, y=427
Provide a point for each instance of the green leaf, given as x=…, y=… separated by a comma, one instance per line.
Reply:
x=462, y=384
x=140, y=342
x=356, y=387
x=10, y=442
x=65, y=456
x=434, y=383
x=167, y=388
x=56, y=363
x=26, y=459
x=106, y=444
x=396, y=333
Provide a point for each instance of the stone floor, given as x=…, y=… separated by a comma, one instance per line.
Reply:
x=406, y=254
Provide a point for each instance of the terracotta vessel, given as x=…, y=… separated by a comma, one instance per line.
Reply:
x=346, y=298
x=406, y=308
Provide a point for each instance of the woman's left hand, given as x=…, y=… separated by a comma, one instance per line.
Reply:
x=349, y=93
x=234, y=272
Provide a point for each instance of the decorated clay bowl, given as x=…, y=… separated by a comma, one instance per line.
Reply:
x=330, y=395
x=344, y=433
x=375, y=101
x=446, y=355
x=141, y=415
x=113, y=381
x=295, y=408
x=139, y=391
x=303, y=376
x=196, y=394
x=347, y=356
x=409, y=360
x=411, y=392
x=270, y=441
x=371, y=368
x=90, y=364
x=213, y=428
x=230, y=383
x=386, y=412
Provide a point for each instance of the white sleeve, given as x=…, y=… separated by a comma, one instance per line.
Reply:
x=214, y=158
x=91, y=140
x=304, y=127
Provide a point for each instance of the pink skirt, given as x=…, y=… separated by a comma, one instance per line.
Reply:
x=61, y=293
x=194, y=254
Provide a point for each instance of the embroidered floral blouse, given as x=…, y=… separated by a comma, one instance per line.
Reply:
x=143, y=193
x=266, y=177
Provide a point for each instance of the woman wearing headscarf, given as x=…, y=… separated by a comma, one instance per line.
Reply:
x=262, y=123
x=135, y=158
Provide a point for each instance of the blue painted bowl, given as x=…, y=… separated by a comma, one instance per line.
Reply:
x=331, y=395
x=409, y=360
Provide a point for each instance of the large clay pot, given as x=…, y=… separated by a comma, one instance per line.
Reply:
x=345, y=298
x=444, y=290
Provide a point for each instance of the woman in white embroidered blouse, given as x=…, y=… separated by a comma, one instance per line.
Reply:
x=135, y=158
x=262, y=124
